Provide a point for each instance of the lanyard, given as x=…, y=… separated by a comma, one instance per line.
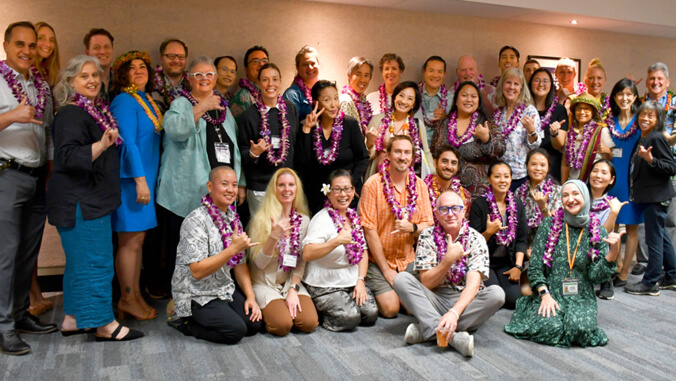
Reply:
x=571, y=263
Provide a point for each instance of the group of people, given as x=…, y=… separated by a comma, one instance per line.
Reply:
x=318, y=205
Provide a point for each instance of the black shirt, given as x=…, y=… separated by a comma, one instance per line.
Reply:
x=555, y=156
x=75, y=178
x=216, y=134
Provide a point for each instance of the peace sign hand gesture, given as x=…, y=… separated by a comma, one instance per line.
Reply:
x=312, y=118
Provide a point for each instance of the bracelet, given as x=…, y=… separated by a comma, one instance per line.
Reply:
x=274, y=237
x=363, y=279
x=457, y=315
x=519, y=267
x=533, y=134
x=253, y=155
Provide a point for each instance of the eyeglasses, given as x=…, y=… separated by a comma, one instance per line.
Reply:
x=541, y=81
x=347, y=190
x=171, y=56
x=198, y=76
x=258, y=61
x=456, y=209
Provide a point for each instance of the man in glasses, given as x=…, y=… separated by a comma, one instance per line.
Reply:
x=394, y=209
x=248, y=92
x=446, y=163
x=449, y=299
x=170, y=76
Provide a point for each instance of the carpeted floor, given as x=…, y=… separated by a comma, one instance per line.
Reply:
x=641, y=331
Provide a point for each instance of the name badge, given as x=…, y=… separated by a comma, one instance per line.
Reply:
x=570, y=286
x=290, y=260
x=222, y=153
x=275, y=141
x=617, y=152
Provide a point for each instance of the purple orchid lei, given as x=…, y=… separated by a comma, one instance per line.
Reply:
x=353, y=251
x=205, y=116
x=384, y=107
x=621, y=135
x=226, y=234
x=523, y=192
x=387, y=124
x=548, y=115
x=253, y=90
x=513, y=119
x=362, y=105
x=453, y=138
x=605, y=107
x=503, y=237
x=307, y=92
x=400, y=213
x=575, y=153
x=443, y=93
x=41, y=88
x=480, y=84
x=555, y=233
x=279, y=157
x=326, y=158
x=164, y=87
x=435, y=191
x=293, y=241
x=98, y=109
x=458, y=269
x=599, y=205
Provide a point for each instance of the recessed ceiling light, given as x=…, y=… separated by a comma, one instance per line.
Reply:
x=574, y=22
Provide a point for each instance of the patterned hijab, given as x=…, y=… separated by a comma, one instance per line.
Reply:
x=582, y=218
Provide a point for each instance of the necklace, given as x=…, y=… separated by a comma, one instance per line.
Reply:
x=503, y=237
x=384, y=107
x=443, y=94
x=221, y=113
x=226, y=229
x=362, y=105
x=353, y=251
x=435, y=191
x=544, y=122
x=513, y=120
x=622, y=135
x=41, y=88
x=400, y=213
x=575, y=153
x=458, y=269
x=279, y=157
x=99, y=111
x=253, y=90
x=329, y=156
x=453, y=138
x=304, y=88
x=293, y=243
x=409, y=128
x=523, y=193
x=155, y=118
x=601, y=204
x=166, y=89
x=555, y=233
x=667, y=105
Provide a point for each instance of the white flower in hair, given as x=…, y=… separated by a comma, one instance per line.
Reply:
x=326, y=188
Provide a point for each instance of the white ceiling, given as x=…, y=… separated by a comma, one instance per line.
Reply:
x=643, y=17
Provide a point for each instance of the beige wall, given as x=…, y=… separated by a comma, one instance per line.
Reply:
x=217, y=27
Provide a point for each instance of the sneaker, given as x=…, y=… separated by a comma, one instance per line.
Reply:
x=463, y=342
x=639, y=269
x=606, y=291
x=665, y=284
x=180, y=324
x=639, y=288
x=413, y=334
x=617, y=282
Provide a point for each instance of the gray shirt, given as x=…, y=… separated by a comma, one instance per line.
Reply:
x=28, y=144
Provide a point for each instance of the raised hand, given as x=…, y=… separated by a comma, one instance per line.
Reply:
x=454, y=251
x=212, y=102
x=25, y=113
x=371, y=136
x=528, y=123
x=259, y=147
x=344, y=237
x=615, y=205
x=541, y=199
x=482, y=132
x=109, y=137
x=312, y=118
x=402, y=226
x=554, y=127
x=494, y=226
x=614, y=240
x=645, y=154
x=279, y=228
x=240, y=241
x=439, y=113
x=603, y=149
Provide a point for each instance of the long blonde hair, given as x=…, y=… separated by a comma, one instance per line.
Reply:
x=52, y=64
x=524, y=96
x=270, y=207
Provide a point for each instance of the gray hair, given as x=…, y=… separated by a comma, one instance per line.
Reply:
x=64, y=91
x=201, y=60
x=524, y=96
x=355, y=63
x=659, y=66
x=659, y=111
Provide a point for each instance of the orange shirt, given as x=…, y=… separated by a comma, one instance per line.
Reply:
x=376, y=214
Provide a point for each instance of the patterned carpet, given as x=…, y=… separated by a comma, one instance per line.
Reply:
x=640, y=328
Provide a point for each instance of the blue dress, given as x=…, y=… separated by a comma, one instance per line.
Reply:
x=632, y=213
x=139, y=157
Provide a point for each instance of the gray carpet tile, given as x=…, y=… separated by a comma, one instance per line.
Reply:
x=641, y=330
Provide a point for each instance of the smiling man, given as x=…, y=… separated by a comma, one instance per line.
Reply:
x=99, y=43
x=466, y=69
x=507, y=58
x=435, y=103
x=171, y=75
x=394, y=208
x=447, y=165
x=25, y=147
x=248, y=93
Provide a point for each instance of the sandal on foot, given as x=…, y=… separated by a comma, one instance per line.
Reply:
x=76, y=332
x=131, y=335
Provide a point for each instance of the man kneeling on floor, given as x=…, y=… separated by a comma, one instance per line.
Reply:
x=449, y=298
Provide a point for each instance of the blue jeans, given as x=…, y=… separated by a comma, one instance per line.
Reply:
x=660, y=249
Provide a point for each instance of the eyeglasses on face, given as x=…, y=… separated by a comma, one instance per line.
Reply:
x=172, y=56
x=347, y=190
x=456, y=209
x=198, y=76
x=258, y=61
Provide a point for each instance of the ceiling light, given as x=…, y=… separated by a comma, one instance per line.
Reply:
x=574, y=22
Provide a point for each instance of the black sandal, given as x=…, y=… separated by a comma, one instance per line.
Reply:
x=131, y=335
x=76, y=332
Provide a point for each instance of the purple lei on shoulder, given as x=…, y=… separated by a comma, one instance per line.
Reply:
x=98, y=109
x=253, y=89
x=226, y=235
x=555, y=233
x=601, y=204
x=387, y=124
x=513, y=119
x=458, y=269
x=575, y=153
x=522, y=193
x=304, y=88
x=621, y=135
x=400, y=213
x=41, y=88
x=544, y=122
x=355, y=251
x=205, y=116
x=452, y=134
x=503, y=237
x=362, y=105
x=443, y=94
x=164, y=86
x=336, y=133
x=279, y=157
x=384, y=107
x=293, y=241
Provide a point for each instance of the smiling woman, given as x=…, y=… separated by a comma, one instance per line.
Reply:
x=307, y=67
x=47, y=58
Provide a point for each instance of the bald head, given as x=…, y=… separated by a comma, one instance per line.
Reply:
x=466, y=68
x=449, y=198
x=219, y=171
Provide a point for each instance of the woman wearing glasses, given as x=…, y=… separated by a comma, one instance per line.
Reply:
x=199, y=134
x=334, y=250
x=329, y=141
x=501, y=218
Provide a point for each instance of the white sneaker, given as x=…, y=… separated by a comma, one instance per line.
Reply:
x=413, y=335
x=463, y=342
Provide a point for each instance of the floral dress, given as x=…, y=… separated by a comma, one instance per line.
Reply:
x=575, y=322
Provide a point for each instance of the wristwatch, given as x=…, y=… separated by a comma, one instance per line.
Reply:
x=519, y=267
x=533, y=134
x=296, y=287
x=544, y=292
x=415, y=228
